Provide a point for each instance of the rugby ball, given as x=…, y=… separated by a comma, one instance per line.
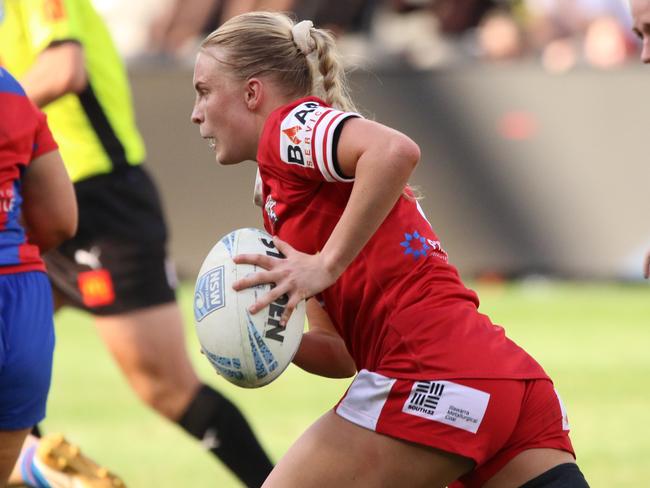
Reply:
x=247, y=350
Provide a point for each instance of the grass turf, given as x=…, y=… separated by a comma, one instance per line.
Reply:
x=593, y=339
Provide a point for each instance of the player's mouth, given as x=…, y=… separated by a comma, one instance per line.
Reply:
x=211, y=142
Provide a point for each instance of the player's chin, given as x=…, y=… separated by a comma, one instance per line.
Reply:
x=224, y=160
x=221, y=160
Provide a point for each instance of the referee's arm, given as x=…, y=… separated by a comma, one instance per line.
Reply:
x=58, y=70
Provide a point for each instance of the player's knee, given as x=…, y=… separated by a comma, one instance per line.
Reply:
x=160, y=397
x=165, y=394
x=567, y=475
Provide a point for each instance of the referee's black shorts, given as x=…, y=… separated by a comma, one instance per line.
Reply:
x=117, y=262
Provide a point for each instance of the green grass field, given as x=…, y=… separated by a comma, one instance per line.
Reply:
x=593, y=339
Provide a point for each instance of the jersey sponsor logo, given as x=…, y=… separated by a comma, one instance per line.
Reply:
x=415, y=245
x=304, y=110
x=314, y=147
x=292, y=133
x=7, y=199
x=96, y=287
x=295, y=155
x=269, y=208
x=436, y=247
x=53, y=10
x=418, y=246
x=448, y=403
x=425, y=396
x=294, y=149
x=209, y=295
x=437, y=250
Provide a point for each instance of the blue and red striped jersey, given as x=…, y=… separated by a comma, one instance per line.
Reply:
x=24, y=135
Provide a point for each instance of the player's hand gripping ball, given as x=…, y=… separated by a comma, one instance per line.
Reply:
x=248, y=350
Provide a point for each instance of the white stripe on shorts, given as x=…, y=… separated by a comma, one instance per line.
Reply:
x=565, y=417
x=365, y=399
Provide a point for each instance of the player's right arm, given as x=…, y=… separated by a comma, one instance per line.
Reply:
x=58, y=70
x=322, y=351
x=646, y=266
x=49, y=206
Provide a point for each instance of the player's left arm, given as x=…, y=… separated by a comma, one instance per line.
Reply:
x=646, y=266
x=58, y=70
x=322, y=350
x=381, y=160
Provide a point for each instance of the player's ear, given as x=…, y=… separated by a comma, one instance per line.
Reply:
x=253, y=91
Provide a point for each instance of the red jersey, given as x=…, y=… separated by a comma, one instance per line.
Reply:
x=24, y=135
x=400, y=307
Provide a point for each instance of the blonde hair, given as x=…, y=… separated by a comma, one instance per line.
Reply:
x=259, y=43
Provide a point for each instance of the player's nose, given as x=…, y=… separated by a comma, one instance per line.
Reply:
x=197, y=115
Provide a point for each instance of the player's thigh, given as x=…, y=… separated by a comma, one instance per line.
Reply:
x=149, y=347
x=10, y=443
x=335, y=452
x=149, y=342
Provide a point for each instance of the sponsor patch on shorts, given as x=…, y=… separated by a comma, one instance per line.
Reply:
x=449, y=403
x=96, y=287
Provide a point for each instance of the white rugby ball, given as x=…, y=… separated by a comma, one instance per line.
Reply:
x=248, y=350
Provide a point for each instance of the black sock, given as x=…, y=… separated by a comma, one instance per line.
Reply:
x=221, y=427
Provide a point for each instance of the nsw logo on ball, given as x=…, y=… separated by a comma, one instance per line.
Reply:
x=209, y=293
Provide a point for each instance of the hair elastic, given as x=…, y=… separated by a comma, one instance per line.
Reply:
x=301, y=33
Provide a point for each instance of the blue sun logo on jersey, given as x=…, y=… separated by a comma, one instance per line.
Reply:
x=415, y=245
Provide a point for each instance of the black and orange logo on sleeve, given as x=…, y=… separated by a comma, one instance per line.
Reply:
x=54, y=9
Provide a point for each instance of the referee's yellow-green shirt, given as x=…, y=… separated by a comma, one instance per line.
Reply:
x=95, y=129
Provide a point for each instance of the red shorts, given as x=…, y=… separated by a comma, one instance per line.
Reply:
x=487, y=420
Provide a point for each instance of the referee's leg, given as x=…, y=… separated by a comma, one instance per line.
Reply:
x=149, y=346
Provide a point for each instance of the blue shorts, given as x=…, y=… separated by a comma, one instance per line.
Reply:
x=26, y=346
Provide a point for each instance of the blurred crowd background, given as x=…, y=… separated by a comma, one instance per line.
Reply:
x=529, y=114
x=558, y=34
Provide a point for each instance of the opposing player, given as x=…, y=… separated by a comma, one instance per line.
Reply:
x=116, y=266
x=641, y=20
x=37, y=212
x=441, y=396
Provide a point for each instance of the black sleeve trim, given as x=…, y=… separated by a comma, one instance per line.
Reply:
x=335, y=146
